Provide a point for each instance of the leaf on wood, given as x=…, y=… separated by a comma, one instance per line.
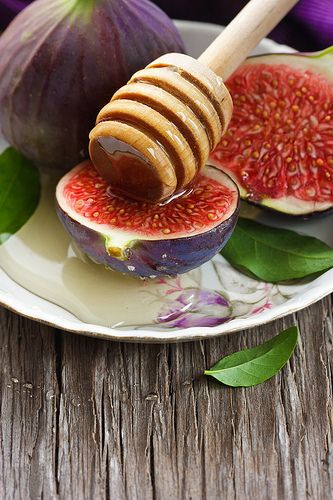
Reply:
x=253, y=366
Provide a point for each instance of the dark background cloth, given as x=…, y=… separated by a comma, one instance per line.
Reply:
x=307, y=27
x=9, y=9
x=295, y=29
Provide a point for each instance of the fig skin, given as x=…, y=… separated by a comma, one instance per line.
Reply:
x=153, y=258
x=61, y=61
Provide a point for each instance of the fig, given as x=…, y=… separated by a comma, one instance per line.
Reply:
x=279, y=145
x=61, y=61
x=143, y=239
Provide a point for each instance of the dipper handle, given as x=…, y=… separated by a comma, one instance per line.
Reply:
x=243, y=34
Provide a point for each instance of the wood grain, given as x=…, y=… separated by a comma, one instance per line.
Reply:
x=89, y=419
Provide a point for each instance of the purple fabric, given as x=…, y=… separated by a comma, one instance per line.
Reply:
x=318, y=16
x=9, y=9
x=308, y=27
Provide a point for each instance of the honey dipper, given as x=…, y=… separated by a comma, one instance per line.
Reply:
x=157, y=131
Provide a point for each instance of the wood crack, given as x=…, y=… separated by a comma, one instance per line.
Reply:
x=58, y=374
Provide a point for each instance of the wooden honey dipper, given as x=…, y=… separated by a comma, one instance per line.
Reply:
x=157, y=131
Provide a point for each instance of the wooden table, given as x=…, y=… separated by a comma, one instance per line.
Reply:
x=90, y=419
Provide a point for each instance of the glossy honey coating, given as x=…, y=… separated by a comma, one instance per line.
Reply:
x=156, y=133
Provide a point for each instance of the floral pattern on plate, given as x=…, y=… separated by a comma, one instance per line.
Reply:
x=215, y=294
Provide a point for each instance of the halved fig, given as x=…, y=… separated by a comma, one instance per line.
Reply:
x=143, y=239
x=279, y=145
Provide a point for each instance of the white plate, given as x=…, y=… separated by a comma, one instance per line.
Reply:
x=42, y=278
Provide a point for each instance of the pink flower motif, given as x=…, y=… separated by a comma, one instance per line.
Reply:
x=174, y=285
x=262, y=308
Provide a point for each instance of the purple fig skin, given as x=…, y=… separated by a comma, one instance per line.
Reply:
x=61, y=61
x=153, y=258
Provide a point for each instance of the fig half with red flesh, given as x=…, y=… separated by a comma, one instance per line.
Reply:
x=143, y=239
x=279, y=144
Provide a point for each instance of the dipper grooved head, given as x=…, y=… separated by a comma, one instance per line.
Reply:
x=157, y=131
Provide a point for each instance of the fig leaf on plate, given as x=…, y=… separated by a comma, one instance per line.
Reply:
x=275, y=255
x=19, y=192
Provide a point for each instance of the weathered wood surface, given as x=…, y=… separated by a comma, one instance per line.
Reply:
x=90, y=419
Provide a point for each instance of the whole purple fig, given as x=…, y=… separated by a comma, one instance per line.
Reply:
x=61, y=61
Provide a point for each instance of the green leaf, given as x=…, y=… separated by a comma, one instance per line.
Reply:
x=275, y=255
x=19, y=192
x=254, y=366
